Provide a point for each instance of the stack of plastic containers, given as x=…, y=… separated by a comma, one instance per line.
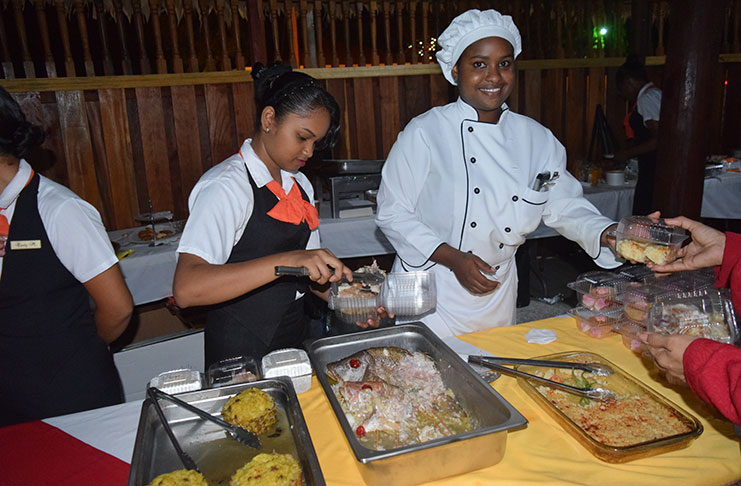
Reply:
x=598, y=295
x=708, y=314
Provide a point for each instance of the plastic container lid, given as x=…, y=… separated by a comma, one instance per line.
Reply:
x=710, y=316
x=409, y=294
x=290, y=362
x=230, y=371
x=636, y=273
x=644, y=240
x=177, y=381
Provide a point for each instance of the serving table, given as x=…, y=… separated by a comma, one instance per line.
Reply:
x=542, y=453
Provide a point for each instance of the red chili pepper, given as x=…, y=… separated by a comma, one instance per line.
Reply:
x=360, y=431
x=354, y=363
x=366, y=387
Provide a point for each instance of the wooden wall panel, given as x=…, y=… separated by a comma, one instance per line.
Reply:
x=365, y=118
x=117, y=140
x=245, y=114
x=416, y=97
x=441, y=92
x=101, y=170
x=553, y=96
x=595, y=96
x=78, y=149
x=220, y=121
x=576, y=97
x=390, y=105
x=532, y=103
x=54, y=165
x=336, y=87
x=187, y=139
x=154, y=150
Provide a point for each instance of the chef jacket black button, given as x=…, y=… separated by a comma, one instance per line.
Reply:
x=470, y=251
x=476, y=190
x=470, y=129
x=501, y=245
x=473, y=224
x=496, y=268
x=473, y=160
x=507, y=229
x=515, y=198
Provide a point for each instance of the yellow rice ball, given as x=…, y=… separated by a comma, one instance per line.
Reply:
x=181, y=477
x=252, y=409
x=269, y=470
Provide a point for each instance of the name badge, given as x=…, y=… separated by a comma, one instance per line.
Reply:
x=25, y=245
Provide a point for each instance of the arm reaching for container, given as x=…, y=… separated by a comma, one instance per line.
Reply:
x=705, y=250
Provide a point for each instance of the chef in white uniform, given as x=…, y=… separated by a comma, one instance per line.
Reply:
x=465, y=184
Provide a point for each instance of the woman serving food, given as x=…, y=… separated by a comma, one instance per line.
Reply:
x=253, y=212
x=465, y=183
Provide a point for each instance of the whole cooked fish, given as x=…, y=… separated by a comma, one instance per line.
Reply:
x=393, y=398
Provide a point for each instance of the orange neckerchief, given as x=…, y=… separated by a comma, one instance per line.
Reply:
x=292, y=208
x=4, y=224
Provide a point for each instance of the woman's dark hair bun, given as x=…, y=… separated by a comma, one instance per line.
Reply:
x=17, y=135
x=265, y=76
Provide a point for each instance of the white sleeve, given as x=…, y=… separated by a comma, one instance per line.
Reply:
x=314, y=240
x=572, y=215
x=78, y=237
x=219, y=212
x=649, y=105
x=402, y=181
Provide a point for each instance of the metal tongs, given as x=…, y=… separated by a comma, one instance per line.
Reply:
x=598, y=393
x=185, y=458
x=365, y=277
x=238, y=433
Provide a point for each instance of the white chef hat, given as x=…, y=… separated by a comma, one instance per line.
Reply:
x=469, y=27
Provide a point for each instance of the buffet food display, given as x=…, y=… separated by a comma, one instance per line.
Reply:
x=638, y=423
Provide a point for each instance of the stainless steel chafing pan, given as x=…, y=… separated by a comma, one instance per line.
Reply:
x=435, y=459
x=217, y=455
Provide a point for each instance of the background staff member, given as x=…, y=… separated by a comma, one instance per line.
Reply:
x=253, y=212
x=54, y=256
x=641, y=127
x=465, y=183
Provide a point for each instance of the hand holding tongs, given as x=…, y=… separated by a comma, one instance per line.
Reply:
x=238, y=433
x=598, y=393
x=365, y=277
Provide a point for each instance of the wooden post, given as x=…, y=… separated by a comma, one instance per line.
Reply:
x=412, y=29
x=51, y=68
x=425, y=33
x=374, y=32
x=663, y=7
x=144, y=65
x=154, y=17
x=346, y=24
x=7, y=63
x=361, y=54
x=319, y=33
x=276, y=33
x=401, y=58
x=226, y=63
x=177, y=61
x=303, y=11
x=125, y=57
x=293, y=33
x=28, y=68
x=689, y=74
x=210, y=61
x=238, y=56
x=333, y=16
x=192, y=58
x=640, y=34
x=103, y=34
x=387, y=31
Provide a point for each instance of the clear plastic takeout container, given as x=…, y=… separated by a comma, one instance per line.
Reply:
x=358, y=307
x=709, y=316
x=230, y=371
x=177, y=381
x=597, y=290
x=290, y=362
x=629, y=331
x=596, y=324
x=409, y=294
x=638, y=299
x=643, y=240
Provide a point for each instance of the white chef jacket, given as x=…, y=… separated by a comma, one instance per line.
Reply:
x=452, y=179
x=648, y=102
x=73, y=226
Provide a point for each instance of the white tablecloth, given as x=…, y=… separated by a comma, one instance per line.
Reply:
x=721, y=197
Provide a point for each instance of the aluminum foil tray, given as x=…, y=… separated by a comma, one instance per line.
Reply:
x=435, y=459
x=215, y=454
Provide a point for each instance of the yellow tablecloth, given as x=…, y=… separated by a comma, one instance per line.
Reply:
x=543, y=453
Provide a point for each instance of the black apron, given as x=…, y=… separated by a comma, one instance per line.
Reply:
x=53, y=362
x=269, y=317
x=643, y=199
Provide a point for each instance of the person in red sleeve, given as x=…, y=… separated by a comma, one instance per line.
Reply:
x=711, y=369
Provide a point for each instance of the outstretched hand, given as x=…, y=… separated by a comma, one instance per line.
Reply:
x=668, y=353
x=705, y=250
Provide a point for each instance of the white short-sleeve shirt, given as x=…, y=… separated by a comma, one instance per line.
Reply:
x=73, y=225
x=221, y=205
x=648, y=102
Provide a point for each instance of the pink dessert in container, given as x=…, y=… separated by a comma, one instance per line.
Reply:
x=596, y=324
x=597, y=290
x=637, y=299
x=629, y=331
